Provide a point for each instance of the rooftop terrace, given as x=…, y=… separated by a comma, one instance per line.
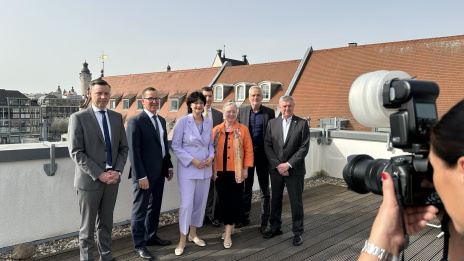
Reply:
x=337, y=221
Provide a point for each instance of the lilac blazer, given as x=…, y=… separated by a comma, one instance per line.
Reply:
x=188, y=144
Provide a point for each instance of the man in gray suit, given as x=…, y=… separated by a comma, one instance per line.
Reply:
x=255, y=117
x=286, y=145
x=98, y=146
x=217, y=118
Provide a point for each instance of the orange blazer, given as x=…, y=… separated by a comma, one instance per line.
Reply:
x=247, y=158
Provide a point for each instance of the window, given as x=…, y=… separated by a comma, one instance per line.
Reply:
x=139, y=105
x=125, y=104
x=266, y=89
x=112, y=104
x=218, y=93
x=14, y=102
x=174, y=104
x=240, y=95
x=25, y=102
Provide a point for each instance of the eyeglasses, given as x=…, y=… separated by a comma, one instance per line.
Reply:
x=152, y=99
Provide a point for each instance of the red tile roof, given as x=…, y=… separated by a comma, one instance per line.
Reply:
x=322, y=91
x=167, y=83
x=276, y=71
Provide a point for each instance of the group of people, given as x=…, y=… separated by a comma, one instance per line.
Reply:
x=215, y=171
x=217, y=155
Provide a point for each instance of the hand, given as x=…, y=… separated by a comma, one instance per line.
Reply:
x=171, y=174
x=208, y=162
x=387, y=230
x=283, y=167
x=114, y=177
x=214, y=176
x=199, y=164
x=245, y=173
x=285, y=174
x=238, y=180
x=105, y=177
x=143, y=183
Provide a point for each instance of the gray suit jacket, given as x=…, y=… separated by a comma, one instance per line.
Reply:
x=295, y=148
x=244, y=117
x=217, y=117
x=87, y=148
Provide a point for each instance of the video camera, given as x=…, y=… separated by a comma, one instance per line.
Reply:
x=393, y=99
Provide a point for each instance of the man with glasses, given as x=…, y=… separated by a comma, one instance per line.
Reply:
x=150, y=165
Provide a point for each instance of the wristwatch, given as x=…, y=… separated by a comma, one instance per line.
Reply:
x=380, y=253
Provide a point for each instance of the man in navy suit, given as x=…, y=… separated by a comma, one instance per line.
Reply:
x=150, y=165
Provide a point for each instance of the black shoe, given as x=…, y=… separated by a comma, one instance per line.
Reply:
x=297, y=240
x=263, y=228
x=213, y=222
x=144, y=253
x=114, y=259
x=158, y=242
x=271, y=234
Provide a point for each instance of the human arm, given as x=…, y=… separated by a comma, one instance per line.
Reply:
x=387, y=230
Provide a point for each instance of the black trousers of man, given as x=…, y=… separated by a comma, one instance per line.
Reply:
x=261, y=166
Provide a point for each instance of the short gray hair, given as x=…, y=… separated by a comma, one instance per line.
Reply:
x=286, y=98
x=255, y=87
x=230, y=102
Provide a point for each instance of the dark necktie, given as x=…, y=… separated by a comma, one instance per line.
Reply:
x=107, y=139
x=155, y=118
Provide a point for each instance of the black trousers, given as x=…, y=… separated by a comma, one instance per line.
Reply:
x=211, y=203
x=261, y=166
x=295, y=193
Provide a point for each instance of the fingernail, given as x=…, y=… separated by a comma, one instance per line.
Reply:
x=384, y=176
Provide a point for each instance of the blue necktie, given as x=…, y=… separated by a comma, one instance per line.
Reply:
x=107, y=139
x=155, y=118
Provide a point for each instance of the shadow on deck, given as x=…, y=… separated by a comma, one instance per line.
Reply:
x=337, y=222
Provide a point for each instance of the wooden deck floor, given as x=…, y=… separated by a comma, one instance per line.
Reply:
x=337, y=222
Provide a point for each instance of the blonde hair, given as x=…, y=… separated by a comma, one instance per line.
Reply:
x=229, y=102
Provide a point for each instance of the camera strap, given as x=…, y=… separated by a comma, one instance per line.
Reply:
x=399, y=199
x=445, y=228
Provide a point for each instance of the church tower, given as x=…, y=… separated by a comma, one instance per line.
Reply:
x=85, y=77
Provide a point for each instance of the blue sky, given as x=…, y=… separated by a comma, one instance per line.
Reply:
x=43, y=43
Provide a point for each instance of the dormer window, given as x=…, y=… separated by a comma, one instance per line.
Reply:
x=176, y=100
x=174, y=105
x=241, y=91
x=268, y=88
x=112, y=104
x=114, y=100
x=139, y=103
x=127, y=101
x=218, y=93
x=221, y=90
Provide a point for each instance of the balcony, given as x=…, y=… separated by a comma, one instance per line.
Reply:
x=38, y=208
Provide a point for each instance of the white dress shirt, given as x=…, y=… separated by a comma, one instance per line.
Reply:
x=160, y=128
x=286, y=126
x=100, y=122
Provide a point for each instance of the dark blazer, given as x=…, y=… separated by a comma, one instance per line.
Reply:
x=145, y=148
x=217, y=117
x=244, y=116
x=87, y=147
x=295, y=149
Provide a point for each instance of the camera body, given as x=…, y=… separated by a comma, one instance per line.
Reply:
x=410, y=107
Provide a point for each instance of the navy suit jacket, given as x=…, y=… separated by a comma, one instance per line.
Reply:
x=145, y=152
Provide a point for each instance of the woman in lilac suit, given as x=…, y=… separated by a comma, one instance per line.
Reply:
x=192, y=142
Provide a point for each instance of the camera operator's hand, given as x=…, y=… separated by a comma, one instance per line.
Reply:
x=387, y=231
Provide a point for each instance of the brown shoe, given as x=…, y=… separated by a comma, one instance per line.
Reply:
x=263, y=228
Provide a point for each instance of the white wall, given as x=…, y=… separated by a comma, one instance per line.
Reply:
x=34, y=206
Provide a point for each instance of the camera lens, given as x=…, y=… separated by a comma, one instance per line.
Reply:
x=364, y=174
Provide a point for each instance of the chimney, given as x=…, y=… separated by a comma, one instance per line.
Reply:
x=352, y=44
x=244, y=58
x=219, y=51
x=168, y=68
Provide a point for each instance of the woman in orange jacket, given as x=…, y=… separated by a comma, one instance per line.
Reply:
x=233, y=156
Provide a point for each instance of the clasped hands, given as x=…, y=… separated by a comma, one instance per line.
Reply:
x=283, y=169
x=203, y=164
x=109, y=177
x=244, y=176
